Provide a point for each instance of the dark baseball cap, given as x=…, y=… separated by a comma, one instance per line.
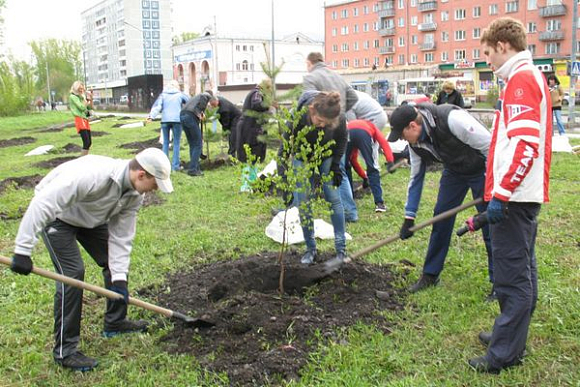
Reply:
x=400, y=119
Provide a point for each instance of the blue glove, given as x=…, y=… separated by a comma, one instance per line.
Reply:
x=496, y=211
x=121, y=288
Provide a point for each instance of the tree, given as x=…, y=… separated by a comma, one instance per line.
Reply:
x=16, y=87
x=184, y=37
x=63, y=60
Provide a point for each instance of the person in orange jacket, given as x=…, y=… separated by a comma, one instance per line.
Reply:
x=362, y=134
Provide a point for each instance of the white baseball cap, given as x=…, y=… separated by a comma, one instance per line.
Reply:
x=156, y=163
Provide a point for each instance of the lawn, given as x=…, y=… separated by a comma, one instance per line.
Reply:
x=206, y=219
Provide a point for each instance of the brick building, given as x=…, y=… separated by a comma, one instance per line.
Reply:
x=441, y=35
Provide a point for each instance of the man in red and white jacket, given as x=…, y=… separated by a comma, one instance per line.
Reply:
x=517, y=182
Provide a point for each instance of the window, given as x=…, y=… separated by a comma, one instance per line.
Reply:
x=429, y=57
x=366, y=62
x=375, y=26
x=444, y=16
x=155, y=34
x=238, y=66
x=366, y=9
x=553, y=48
x=376, y=61
x=493, y=9
x=476, y=53
x=366, y=45
x=122, y=43
x=532, y=27
x=355, y=29
x=344, y=13
x=429, y=38
x=401, y=59
x=413, y=20
x=146, y=24
x=460, y=14
x=335, y=63
x=334, y=16
x=401, y=41
x=245, y=65
x=344, y=47
x=532, y=48
x=401, y=4
x=401, y=22
x=252, y=49
x=459, y=35
x=428, y=18
x=389, y=42
x=344, y=30
x=355, y=13
x=476, y=33
x=366, y=27
x=345, y=63
x=414, y=39
x=444, y=56
x=145, y=14
x=511, y=6
x=156, y=44
x=334, y=32
x=413, y=3
x=476, y=12
x=355, y=46
x=532, y=4
x=155, y=4
x=553, y=25
x=413, y=58
x=377, y=43
x=459, y=55
x=145, y=4
x=155, y=25
x=156, y=54
x=335, y=48
x=357, y=62
x=155, y=14
x=146, y=34
x=237, y=47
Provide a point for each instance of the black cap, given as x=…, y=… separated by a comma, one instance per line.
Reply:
x=400, y=119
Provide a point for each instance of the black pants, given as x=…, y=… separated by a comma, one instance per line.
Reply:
x=516, y=281
x=87, y=138
x=61, y=241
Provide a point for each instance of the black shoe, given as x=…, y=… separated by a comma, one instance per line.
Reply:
x=491, y=297
x=77, y=362
x=125, y=326
x=195, y=173
x=481, y=364
x=426, y=280
x=484, y=338
x=380, y=207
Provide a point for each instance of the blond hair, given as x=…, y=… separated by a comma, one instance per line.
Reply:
x=448, y=85
x=76, y=86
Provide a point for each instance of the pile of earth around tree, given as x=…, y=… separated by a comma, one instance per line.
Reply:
x=52, y=163
x=16, y=141
x=22, y=182
x=152, y=199
x=138, y=146
x=72, y=148
x=261, y=338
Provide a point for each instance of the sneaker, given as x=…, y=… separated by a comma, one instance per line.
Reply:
x=195, y=173
x=426, y=280
x=77, y=362
x=308, y=258
x=125, y=326
x=340, y=259
x=380, y=207
x=481, y=364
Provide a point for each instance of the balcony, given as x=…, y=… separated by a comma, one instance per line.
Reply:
x=427, y=26
x=428, y=46
x=389, y=12
x=387, y=31
x=387, y=50
x=426, y=6
x=551, y=35
x=553, y=10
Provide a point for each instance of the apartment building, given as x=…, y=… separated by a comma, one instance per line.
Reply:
x=441, y=35
x=125, y=38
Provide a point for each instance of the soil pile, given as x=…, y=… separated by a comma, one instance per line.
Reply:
x=20, y=182
x=52, y=163
x=140, y=145
x=16, y=141
x=72, y=148
x=152, y=199
x=260, y=337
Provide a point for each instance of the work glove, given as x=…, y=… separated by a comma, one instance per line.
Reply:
x=366, y=183
x=121, y=288
x=337, y=175
x=390, y=167
x=496, y=210
x=21, y=264
x=405, y=233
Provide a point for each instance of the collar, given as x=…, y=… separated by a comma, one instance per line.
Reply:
x=507, y=69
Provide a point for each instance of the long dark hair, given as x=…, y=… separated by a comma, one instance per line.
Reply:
x=327, y=104
x=554, y=77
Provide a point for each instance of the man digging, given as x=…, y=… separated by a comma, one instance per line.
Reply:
x=93, y=200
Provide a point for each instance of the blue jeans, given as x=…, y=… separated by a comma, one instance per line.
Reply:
x=558, y=116
x=176, y=128
x=453, y=188
x=361, y=140
x=346, y=197
x=331, y=195
x=193, y=133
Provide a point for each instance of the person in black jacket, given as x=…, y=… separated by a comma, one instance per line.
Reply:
x=191, y=116
x=450, y=95
x=229, y=115
x=324, y=114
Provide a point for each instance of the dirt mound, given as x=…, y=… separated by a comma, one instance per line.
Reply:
x=208, y=165
x=94, y=133
x=72, y=148
x=140, y=145
x=16, y=141
x=261, y=337
x=52, y=163
x=152, y=199
x=20, y=182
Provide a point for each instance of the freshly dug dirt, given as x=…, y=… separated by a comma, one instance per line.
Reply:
x=261, y=338
x=94, y=133
x=52, y=163
x=208, y=165
x=72, y=148
x=20, y=182
x=140, y=145
x=16, y=141
x=152, y=199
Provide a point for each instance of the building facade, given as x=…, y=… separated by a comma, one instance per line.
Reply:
x=213, y=60
x=441, y=35
x=125, y=38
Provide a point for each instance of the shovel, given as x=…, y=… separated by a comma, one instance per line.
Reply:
x=189, y=321
x=334, y=264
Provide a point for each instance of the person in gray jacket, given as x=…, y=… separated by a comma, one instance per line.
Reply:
x=191, y=116
x=92, y=200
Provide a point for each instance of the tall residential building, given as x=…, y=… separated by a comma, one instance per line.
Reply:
x=441, y=34
x=125, y=38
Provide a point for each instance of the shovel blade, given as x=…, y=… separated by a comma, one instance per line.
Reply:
x=192, y=322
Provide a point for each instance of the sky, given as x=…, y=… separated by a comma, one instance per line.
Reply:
x=29, y=20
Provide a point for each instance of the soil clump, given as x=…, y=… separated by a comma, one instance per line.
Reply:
x=16, y=141
x=23, y=182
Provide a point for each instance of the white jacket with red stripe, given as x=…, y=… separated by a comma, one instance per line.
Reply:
x=518, y=167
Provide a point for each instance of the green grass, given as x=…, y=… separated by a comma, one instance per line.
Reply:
x=207, y=219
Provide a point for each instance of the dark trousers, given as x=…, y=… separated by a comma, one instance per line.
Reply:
x=193, y=134
x=453, y=188
x=516, y=281
x=61, y=241
x=360, y=139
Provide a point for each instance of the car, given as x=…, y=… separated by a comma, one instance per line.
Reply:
x=566, y=99
x=124, y=99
